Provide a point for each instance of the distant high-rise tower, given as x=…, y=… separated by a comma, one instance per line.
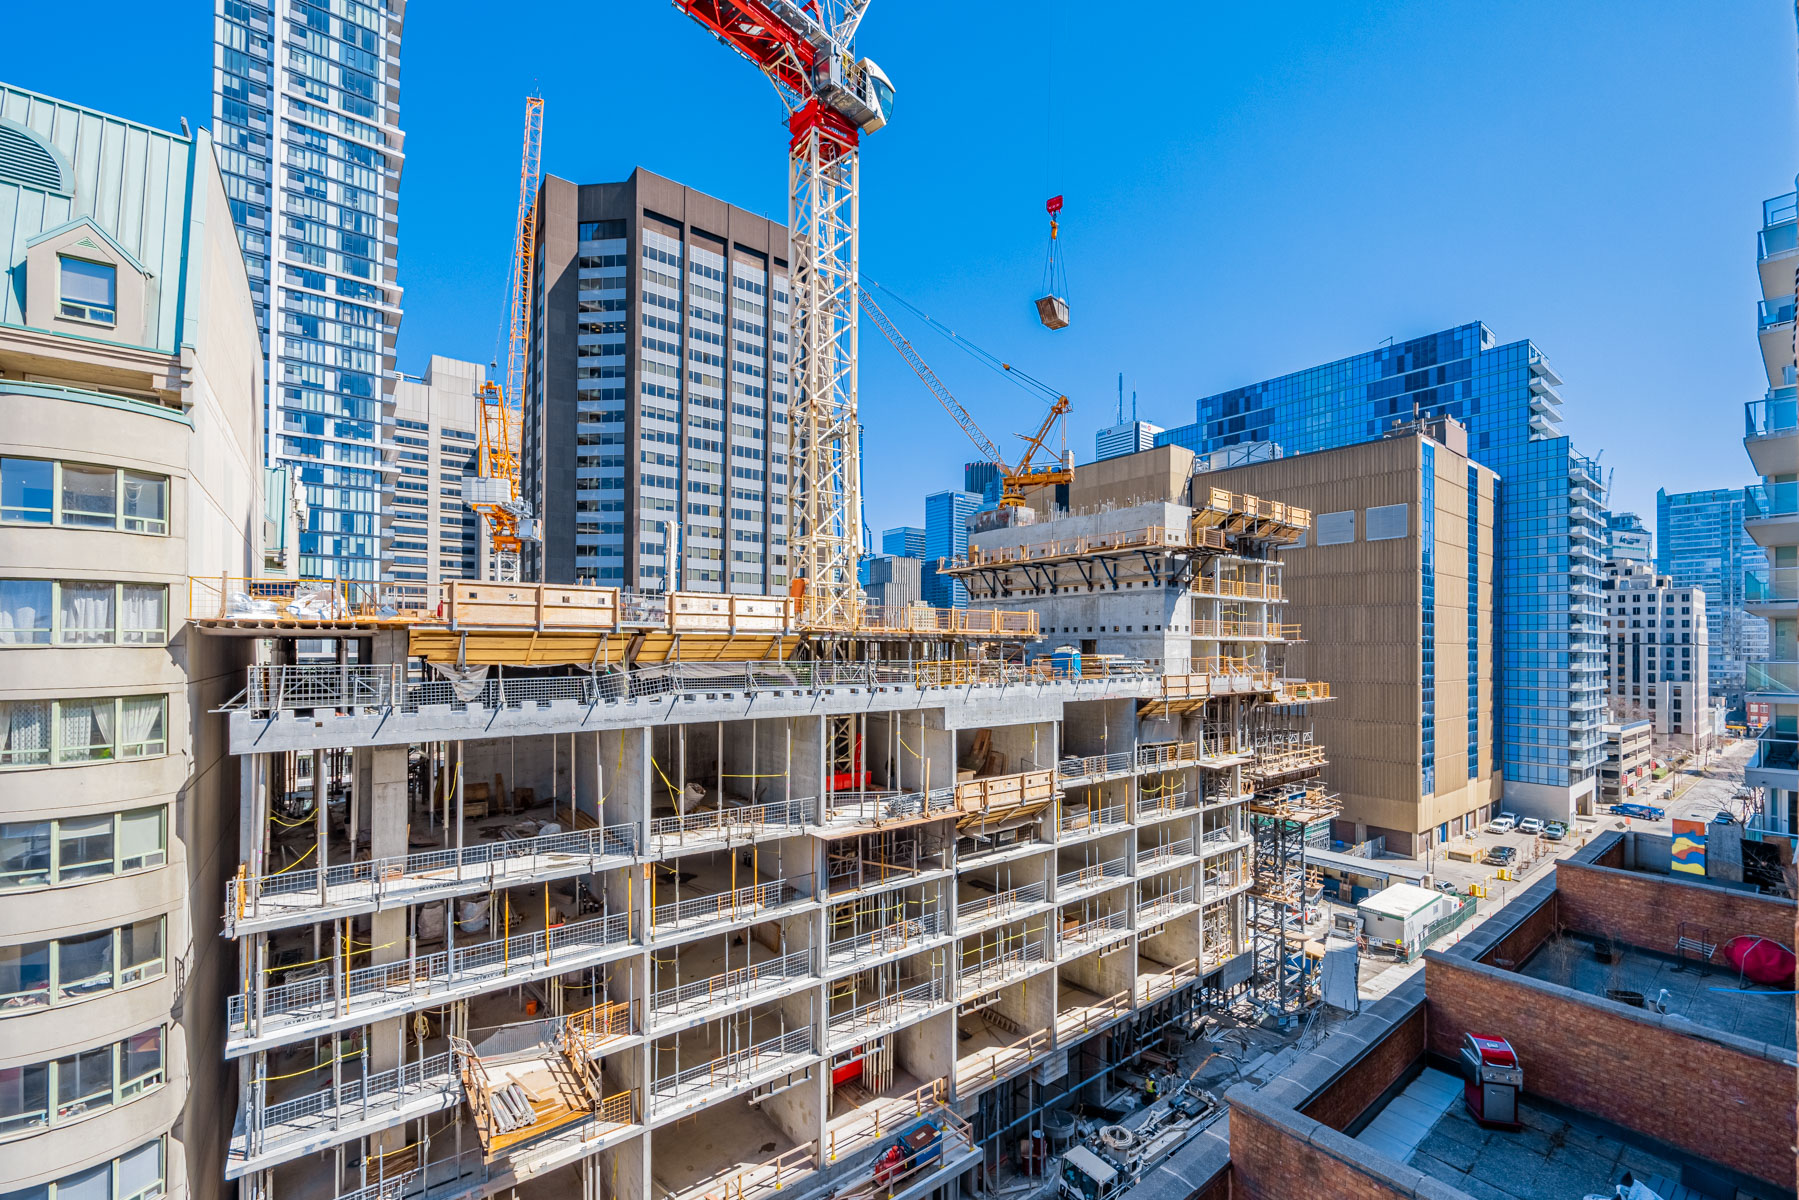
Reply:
x=1627, y=538
x=655, y=406
x=1701, y=542
x=946, y=516
x=310, y=146
x=1127, y=436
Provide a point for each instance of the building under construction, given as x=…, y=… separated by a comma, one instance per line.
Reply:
x=687, y=895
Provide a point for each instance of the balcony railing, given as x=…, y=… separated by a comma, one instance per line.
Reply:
x=865, y=1020
x=990, y=971
x=728, y=1070
x=1092, y=878
x=1773, y=416
x=1776, y=751
x=1090, y=934
x=1773, y=676
x=736, y=905
x=1771, y=585
x=990, y=1066
x=1086, y=1018
x=415, y=878
x=735, y=986
x=738, y=823
x=1161, y=756
x=1095, y=766
x=1157, y=857
x=1078, y=817
x=1164, y=906
x=416, y=982
x=304, y=1118
x=879, y=807
x=999, y=907
x=888, y=939
x=1770, y=313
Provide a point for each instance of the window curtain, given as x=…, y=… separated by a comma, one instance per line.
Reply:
x=142, y=613
x=142, y=723
x=27, y=730
x=24, y=611
x=75, y=726
x=87, y=613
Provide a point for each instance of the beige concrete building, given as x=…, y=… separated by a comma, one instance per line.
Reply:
x=1657, y=655
x=1394, y=595
x=431, y=535
x=1626, y=762
x=130, y=461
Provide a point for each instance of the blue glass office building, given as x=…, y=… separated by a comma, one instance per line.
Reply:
x=1550, y=531
x=310, y=147
x=1700, y=543
x=946, y=517
x=903, y=541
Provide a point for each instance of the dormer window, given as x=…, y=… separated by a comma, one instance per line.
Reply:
x=89, y=290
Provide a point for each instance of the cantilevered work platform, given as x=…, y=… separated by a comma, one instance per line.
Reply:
x=547, y=625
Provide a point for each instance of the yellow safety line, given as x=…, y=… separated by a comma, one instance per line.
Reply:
x=290, y=866
x=314, y=1067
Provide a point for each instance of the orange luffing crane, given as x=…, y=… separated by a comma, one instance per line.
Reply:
x=493, y=491
x=1014, y=480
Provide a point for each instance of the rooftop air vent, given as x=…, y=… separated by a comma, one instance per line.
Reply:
x=26, y=160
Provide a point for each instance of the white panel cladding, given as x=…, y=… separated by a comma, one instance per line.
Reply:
x=1387, y=522
x=1335, y=528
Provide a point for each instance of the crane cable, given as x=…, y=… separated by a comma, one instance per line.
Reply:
x=991, y=361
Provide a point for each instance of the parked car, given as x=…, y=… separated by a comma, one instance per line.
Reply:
x=1502, y=856
x=1531, y=825
x=1642, y=812
x=1723, y=818
x=1448, y=888
x=1555, y=831
x=1503, y=823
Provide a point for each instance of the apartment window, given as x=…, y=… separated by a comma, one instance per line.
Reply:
x=71, y=969
x=77, y=1085
x=36, y=733
x=137, y=1175
x=39, y=492
x=89, y=290
x=42, y=612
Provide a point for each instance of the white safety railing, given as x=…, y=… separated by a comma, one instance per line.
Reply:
x=1073, y=818
x=417, y=876
x=1093, y=933
x=735, y=985
x=875, y=807
x=999, y=907
x=729, y=1069
x=1149, y=860
x=865, y=1019
x=417, y=981
x=989, y=971
x=729, y=906
x=275, y=1125
x=1159, y=908
x=1093, y=766
x=741, y=822
x=1091, y=877
x=884, y=940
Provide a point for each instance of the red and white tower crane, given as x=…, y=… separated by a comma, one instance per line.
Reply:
x=832, y=98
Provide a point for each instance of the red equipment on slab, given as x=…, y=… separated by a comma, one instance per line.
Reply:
x=1492, y=1080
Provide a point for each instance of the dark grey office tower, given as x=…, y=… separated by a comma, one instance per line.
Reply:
x=655, y=406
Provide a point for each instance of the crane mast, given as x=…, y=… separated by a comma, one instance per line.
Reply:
x=831, y=99
x=494, y=492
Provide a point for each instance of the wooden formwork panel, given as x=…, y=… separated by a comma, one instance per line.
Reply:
x=716, y=612
x=533, y=606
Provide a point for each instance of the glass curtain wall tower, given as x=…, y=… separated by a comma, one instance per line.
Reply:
x=1550, y=531
x=1700, y=542
x=306, y=109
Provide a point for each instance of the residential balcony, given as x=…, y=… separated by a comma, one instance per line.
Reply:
x=1156, y=979
x=756, y=1158
x=711, y=911
x=1096, y=768
x=1777, y=245
x=987, y=1057
x=1164, y=799
x=338, y=998
x=729, y=826
x=1078, y=820
x=1091, y=879
x=1771, y=432
x=688, y=1001
x=1166, y=856
x=1019, y=902
x=1000, y=959
x=874, y=809
x=1774, y=680
x=1771, y=591
x=1082, y=934
x=715, y=1076
x=913, y=1001
x=1775, y=762
x=284, y=899
x=868, y=947
x=1774, y=326
x=1166, y=905
x=268, y=1134
x=1080, y=1012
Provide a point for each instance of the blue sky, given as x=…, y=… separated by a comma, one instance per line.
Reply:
x=1248, y=192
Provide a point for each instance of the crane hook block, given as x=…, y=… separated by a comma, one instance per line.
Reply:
x=1053, y=206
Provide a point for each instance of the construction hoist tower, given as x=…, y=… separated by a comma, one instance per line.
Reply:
x=832, y=98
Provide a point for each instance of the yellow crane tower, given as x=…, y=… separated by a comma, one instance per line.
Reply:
x=494, y=491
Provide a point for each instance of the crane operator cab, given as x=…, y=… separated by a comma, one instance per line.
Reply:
x=1087, y=1176
x=859, y=90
